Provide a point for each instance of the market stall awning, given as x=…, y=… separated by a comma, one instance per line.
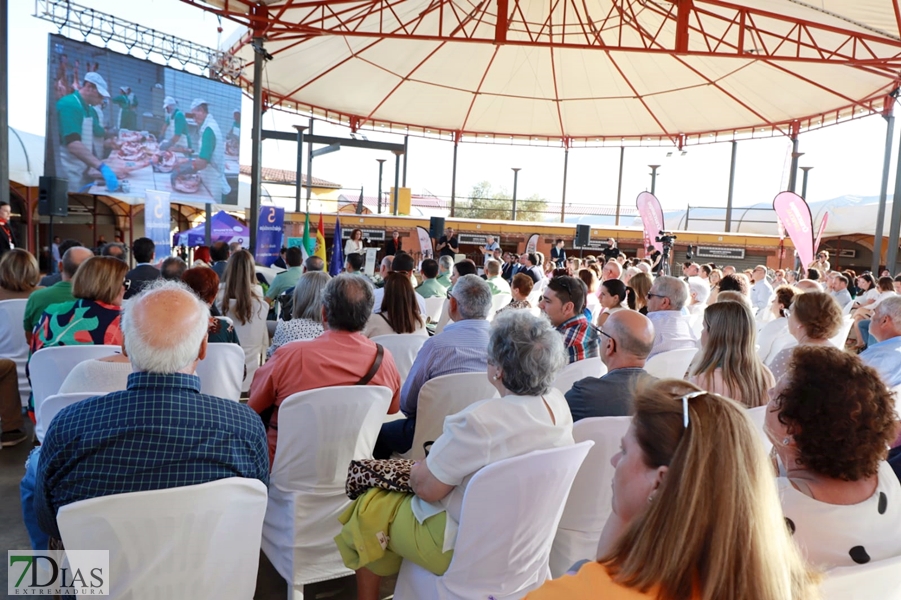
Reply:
x=224, y=228
x=582, y=71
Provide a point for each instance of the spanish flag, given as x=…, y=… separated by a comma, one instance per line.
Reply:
x=320, y=243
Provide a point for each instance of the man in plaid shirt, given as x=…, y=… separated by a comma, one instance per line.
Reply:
x=563, y=302
x=160, y=432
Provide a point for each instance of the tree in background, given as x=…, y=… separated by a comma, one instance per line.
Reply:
x=483, y=203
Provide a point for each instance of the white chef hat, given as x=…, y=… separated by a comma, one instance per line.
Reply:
x=98, y=81
x=169, y=101
x=197, y=102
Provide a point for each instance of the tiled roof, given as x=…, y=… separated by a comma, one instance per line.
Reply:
x=288, y=177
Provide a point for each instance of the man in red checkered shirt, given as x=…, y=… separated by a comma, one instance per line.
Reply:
x=563, y=302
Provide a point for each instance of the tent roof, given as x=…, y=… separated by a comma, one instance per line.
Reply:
x=587, y=72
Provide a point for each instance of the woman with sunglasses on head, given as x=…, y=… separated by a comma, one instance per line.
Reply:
x=678, y=533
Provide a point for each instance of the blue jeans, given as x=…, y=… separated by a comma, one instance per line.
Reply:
x=395, y=436
x=39, y=539
x=865, y=336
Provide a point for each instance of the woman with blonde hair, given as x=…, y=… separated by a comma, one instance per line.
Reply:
x=638, y=289
x=19, y=275
x=716, y=275
x=728, y=363
x=814, y=319
x=241, y=300
x=695, y=512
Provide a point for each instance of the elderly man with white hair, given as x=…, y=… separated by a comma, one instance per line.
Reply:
x=460, y=348
x=672, y=327
x=160, y=432
x=885, y=356
x=698, y=292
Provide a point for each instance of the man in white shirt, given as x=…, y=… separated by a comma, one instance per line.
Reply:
x=672, y=328
x=761, y=291
x=698, y=292
x=402, y=263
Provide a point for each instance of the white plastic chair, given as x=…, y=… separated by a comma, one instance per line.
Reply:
x=12, y=341
x=49, y=367
x=51, y=406
x=590, y=500
x=444, y=396
x=671, y=364
x=696, y=322
x=222, y=371
x=201, y=540
x=880, y=579
x=758, y=416
x=445, y=318
x=403, y=347
x=319, y=433
x=254, y=339
x=499, y=301
x=571, y=373
x=839, y=339
x=434, y=307
x=507, y=523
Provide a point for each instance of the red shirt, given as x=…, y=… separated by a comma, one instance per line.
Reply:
x=332, y=359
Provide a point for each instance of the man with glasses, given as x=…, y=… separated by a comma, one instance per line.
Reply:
x=672, y=327
x=761, y=291
x=563, y=301
x=626, y=341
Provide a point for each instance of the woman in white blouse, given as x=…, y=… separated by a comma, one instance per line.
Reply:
x=524, y=355
x=306, y=315
x=354, y=244
x=774, y=336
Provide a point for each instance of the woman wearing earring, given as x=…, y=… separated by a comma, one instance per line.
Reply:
x=678, y=533
x=354, y=244
x=831, y=420
x=815, y=317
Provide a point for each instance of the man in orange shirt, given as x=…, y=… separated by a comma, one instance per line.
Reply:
x=340, y=356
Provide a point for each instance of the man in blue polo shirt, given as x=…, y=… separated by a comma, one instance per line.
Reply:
x=885, y=356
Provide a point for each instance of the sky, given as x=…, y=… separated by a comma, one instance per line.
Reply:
x=847, y=159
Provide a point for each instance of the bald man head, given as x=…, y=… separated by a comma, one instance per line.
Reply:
x=165, y=329
x=631, y=337
x=71, y=261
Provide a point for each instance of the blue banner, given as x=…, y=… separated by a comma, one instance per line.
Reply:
x=270, y=229
x=157, y=222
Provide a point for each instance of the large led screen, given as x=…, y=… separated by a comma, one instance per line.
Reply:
x=118, y=125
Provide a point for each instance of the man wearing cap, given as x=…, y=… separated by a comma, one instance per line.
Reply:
x=128, y=104
x=210, y=160
x=78, y=124
x=175, y=135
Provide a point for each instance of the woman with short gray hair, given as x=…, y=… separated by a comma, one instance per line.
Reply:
x=306, y=321
x=525, y=353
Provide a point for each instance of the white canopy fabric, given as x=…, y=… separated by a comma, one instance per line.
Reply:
x=26, y=157
x=589, y=72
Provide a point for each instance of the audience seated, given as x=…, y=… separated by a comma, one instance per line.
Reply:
x=698, y=294
x=10, y=404
x=727, y=363
x=144, y=251
x=494, y=279
x=241, y=299
x=592, y=303
x=809, y=285
x=461, y=269
x=529, y=265
x=626, y=340
x=524, y=356
x=840, y=291
x=733, y=296
x=520, y=289
x=98, y=375
x=19, y=275
x=735, y=283
x=173, y=268
x=54, y=278
x=771, y=336
x=459, y=348
x=814, y=319
x=885, y=356
x=56, y=293
x=287, y=279
x=639, y=287
x=672, y=328
x=445, y=269
x=563, y=302
x=399, y=310
x=115, y=250
x=831, y=420
x=761, y=291
x=401, y=263
x=340, y=356
x=219, y=254
x=204, y=282
x=430, y=286
x=611, y=270
x=306, y=318
x=159, y=433
x=353, y=264
x=690, y=462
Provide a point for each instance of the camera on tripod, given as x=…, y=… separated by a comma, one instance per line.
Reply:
x=666, y=238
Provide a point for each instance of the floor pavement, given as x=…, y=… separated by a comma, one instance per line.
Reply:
x=270, y=585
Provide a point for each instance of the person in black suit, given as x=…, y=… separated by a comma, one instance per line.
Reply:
x=7, y=237
x=511, y=266
x=144, y=252
x=558, y=254
x=393, y=246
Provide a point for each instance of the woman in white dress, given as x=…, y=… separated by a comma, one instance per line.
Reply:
x=354, y=244
x=306, y=315
x=774, y=336
x=831, y=421
x=613, y=298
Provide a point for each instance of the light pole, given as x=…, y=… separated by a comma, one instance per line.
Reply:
x=654, y=177
x=804, y=182
x=381, y=162
x=793, y=176
x=515, y=181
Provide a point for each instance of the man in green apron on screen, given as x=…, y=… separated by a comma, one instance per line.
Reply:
x=78, y=125
x=175, y=135
x=128, y=105
x=210, y=160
